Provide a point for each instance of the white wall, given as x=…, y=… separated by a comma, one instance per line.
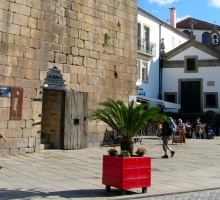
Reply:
x=168, y=36
x=172, y=75
x=197, y=33
x=192, y=51
x=151, y=88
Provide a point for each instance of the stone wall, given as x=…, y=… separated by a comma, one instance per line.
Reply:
x=92, y=42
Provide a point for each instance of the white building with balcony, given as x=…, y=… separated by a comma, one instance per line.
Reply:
x=152, y=33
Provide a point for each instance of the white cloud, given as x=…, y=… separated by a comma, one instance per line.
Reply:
x=182, y=18
x=164, y=2
x=215, y=3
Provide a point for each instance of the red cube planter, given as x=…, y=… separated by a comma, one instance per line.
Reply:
x=126, y=172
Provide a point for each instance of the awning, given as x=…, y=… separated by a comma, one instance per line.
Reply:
x=166, y=104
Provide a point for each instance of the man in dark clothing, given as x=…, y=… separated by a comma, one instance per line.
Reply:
x=165, y=138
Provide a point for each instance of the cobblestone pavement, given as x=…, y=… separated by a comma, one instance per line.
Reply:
x=199, y=195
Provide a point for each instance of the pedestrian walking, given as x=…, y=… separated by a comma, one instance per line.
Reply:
x=165, y=138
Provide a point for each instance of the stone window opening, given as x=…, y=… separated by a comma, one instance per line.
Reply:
x=191, y=64
x=211, y=100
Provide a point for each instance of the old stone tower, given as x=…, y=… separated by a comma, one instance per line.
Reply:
x=91, y=44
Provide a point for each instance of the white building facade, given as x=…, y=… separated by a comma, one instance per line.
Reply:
x=153, y=32
x=190, y=77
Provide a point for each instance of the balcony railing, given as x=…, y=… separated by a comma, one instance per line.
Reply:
x=146, y=46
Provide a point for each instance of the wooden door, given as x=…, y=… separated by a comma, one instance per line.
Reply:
x=75, y=120
x=190, y=97
x=52, y=117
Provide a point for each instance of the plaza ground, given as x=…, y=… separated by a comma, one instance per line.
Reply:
x=77, y=174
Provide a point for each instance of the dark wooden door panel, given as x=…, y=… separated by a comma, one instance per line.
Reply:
x=190, y=97
x=52, y=116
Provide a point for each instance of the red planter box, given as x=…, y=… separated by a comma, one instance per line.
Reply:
x=126, y=173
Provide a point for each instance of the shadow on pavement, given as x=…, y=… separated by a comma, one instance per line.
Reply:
x=151, y=138
x=29, y=194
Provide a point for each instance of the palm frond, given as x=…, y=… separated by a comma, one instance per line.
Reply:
x=126, y=120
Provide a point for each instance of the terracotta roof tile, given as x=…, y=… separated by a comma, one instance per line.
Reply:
x=198, y=24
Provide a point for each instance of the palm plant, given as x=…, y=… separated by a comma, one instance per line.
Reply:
x=126, y=120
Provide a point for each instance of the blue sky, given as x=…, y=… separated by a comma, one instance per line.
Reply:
x=205, y=10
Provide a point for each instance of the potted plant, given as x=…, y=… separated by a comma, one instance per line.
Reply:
x=141, y=151
x=127, y=121
x=126, y=170
x=113, y=152
x=125, y=153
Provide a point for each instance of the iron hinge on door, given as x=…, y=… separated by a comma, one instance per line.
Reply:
x=36, y=123
x=37, y=99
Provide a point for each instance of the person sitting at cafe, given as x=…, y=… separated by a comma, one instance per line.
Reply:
x=180, y=122
x=189, y=129
x=197, y=122
x=187, y=123
x=181, y=125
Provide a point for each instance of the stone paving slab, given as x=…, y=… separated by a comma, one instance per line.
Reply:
x=77, y=174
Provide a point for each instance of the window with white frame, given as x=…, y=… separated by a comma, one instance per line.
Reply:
x=142, y=71
x=146, y=39
x=146, y=33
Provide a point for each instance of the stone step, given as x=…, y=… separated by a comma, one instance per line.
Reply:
x=46, y=146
